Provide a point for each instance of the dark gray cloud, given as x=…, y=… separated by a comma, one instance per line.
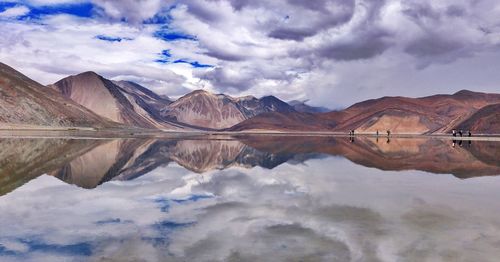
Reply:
x=437, y=39
x=319, y=17
x=297, y=34
x=225, y=55
x=432, y=45
x=313, y=5
x=455, y=10
x=200, y=10
x=364, y=45
x=223, y=80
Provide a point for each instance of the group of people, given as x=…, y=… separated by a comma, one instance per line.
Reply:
x=351, y=136
x=460, y=133
x=454, y=133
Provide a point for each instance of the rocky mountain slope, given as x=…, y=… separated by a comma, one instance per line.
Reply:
x=216, y=111
x=132, y=104
x=90, y=100
x=28, y=104
x=433, y=114
x=485, y=120
x=122, y=102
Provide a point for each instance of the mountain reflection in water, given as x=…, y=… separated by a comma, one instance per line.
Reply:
x=89, y=163
x=251, y=198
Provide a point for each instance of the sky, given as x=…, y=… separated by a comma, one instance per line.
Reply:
x=330, y=53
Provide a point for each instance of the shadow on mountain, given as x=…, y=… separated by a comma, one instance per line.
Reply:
x=89, y=163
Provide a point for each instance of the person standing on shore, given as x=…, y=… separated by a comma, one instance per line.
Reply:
x=454, y=132
x=460, y=133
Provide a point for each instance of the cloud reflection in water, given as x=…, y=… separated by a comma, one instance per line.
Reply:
x=326, y=209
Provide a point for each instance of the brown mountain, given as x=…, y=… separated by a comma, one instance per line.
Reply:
x=122, y=102
x=144, y=96
x=292, y=121
x=432, y=114
x=485, y=120
x=216, y=111
x=25, y=103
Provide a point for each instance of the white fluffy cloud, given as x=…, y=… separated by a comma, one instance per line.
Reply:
x=329, y=51
x=14, y=12
x=134, y=11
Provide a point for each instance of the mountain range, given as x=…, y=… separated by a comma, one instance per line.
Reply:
x=90, y=100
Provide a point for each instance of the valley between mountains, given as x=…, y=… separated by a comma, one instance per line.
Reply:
x=88, y=100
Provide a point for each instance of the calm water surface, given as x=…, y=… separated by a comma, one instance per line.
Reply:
x=249, y=199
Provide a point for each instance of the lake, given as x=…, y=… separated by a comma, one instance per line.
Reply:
x=249, y=198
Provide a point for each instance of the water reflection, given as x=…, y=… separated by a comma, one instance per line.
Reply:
x=89, y=163
x=259, y=198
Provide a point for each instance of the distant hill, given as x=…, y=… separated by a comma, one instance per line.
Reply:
x=27, y=104
x=122, y=102
x=485, y=120
x=432, y=114
x=217, y=111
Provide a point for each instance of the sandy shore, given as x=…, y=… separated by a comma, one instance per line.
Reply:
x=87, y=133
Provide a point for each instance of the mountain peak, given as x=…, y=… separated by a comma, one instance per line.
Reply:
x=195, y=93
x=29, y=103
x=269, y=97
x=200, y=91
x=88, y=74
x=465, y=92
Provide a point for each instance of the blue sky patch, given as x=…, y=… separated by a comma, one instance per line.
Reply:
x=165, y=229
x=194, y=64
x=165, y=56
x=81, y=10
x=78, y=249
x=168, y=35
x=163, y=203
x=161, y=18
x=111, y=38
x=192, y=198
x=5, y=6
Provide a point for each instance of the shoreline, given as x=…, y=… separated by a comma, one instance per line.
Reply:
x=92, y=133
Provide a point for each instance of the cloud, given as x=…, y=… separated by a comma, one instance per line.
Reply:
x=293, y=49
x=48, y=48
x=15, y=11
x=134, y=11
